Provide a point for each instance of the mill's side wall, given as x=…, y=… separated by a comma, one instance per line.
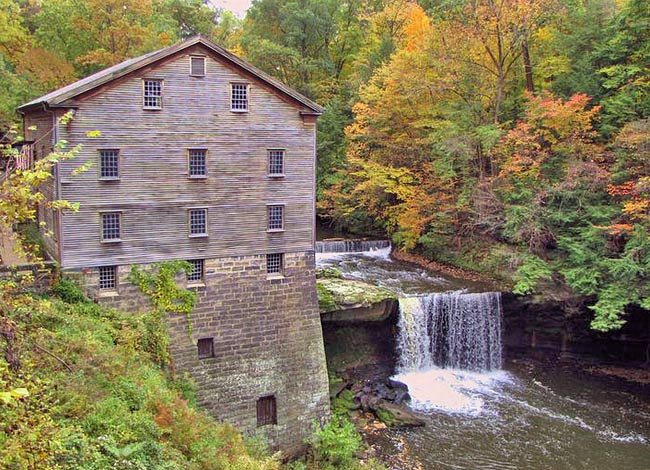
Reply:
x=39, y=129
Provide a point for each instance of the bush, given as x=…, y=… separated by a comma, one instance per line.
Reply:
x=69, y=291
x=335, y=445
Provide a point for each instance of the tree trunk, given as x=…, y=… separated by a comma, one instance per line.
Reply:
x=528, y=68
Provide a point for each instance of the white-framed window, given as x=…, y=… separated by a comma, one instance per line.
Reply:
x=275, y=263
x=107, y=278
x=276, y=162
x=152, y=93
x=197, y=163
x=275, y=217
x=239, y=97
x=111, y=226
x=198, y=222
x=109, y=164
x=197, y=66
x=198, y=271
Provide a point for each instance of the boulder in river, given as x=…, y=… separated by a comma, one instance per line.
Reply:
x=396, y=416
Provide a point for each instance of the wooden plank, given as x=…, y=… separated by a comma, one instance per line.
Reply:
x=154, y=190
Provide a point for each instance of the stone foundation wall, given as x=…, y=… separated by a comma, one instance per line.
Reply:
x=267, y=340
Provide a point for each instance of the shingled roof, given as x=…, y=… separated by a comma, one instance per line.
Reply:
x=64, y=96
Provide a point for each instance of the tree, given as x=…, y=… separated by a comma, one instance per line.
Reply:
x=626, y=67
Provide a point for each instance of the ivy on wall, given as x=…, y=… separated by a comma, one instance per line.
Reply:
x=166, y=296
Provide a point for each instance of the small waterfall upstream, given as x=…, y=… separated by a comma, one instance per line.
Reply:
x=451, y=330
x=350, y=246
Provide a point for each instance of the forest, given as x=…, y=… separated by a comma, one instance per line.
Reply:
x=507, y=137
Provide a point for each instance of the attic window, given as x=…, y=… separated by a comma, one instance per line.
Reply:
x=152, y=94
x=197, y=66
x=239, y=97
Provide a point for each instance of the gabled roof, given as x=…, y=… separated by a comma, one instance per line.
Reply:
x=61, y=96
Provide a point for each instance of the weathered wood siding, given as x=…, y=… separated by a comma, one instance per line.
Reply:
x=154, y=191
x=39, y=129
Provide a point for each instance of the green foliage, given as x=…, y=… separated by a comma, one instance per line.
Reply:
x=160, y=286
x=531, y=271
x=97, y=400
x=330, y=272
x=625, y=57
x=326, y=301
x=69, y=291
x=335, y=444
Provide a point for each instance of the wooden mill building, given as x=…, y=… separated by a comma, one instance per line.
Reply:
x=202, y=157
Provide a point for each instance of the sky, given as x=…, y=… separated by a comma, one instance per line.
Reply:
x=239, y=7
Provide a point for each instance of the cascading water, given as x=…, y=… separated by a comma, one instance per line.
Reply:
x=350, y=246
x=449, y=347
x=477, y=415
x=451, y=329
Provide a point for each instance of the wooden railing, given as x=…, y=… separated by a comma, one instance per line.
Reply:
x=18, y=160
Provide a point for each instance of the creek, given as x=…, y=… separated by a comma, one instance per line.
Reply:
x=483, y=410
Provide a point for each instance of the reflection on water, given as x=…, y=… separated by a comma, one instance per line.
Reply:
x=524, y=419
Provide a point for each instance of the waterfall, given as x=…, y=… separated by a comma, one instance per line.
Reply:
x=350, y=246
x=450, y=329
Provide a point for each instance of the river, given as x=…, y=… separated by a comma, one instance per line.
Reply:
x=521, y=415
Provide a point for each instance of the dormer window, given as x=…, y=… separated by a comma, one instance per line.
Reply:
x=152, y=94
x=197, y=66
x=239, y=97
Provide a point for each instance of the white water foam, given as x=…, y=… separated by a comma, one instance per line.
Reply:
x=380, y=253
x=453, y=390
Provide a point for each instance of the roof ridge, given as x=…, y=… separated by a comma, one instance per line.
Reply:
x=61, y=95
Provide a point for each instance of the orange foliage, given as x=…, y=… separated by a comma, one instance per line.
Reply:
x=46, y=68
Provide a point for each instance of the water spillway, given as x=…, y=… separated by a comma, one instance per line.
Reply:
x=350, y=246
x=451, y=329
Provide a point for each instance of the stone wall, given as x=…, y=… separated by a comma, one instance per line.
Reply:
x=554, y=330
x=267, y=340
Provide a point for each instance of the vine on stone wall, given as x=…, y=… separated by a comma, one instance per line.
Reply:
x=160, y=287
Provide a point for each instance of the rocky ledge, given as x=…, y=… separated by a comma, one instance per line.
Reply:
x=345, y=300
x=385, y=398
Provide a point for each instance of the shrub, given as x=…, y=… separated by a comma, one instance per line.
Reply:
x=335, y=445
x=69, y=291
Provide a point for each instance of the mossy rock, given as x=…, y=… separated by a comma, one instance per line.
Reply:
x=396, y=416
x=344, y=403
x=339, y=294
x=329, y=273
